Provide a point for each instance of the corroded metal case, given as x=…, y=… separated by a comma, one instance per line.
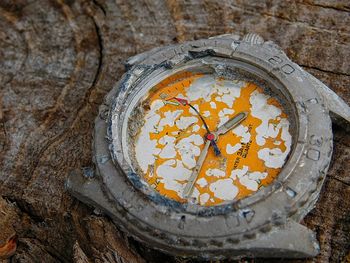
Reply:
x=265, y=224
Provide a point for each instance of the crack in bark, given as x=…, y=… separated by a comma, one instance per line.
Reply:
x=345, y=9
x=324, y=70
x=339, y=180
x=289, y=21
x=100, y=6
x=89, y=91
x=43, y=246
x=100, y=50
x=25, y=208
x=58, y=138
x=32, y=167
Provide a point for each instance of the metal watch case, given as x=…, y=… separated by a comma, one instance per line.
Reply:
x=265, y=224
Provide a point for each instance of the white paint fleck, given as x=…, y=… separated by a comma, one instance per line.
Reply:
x=184, y=122
x=228, y=111
x=250, y=180
x=195, y=193
x=215, y=172
x=195, y=128
x=156, y=105
x=213, y=105
x=201, y=88
x=204, y=87
x=285, y=135
x=228, y=99
x=206, y=113
x=257, y=175
x=273, y=130
x=203, y=199
x=202, y=182
x=262, y=110
x=192, y=111
x=169, y=150
x=242, y=131
x=169, y=119
x=181, y=96
x=145, y=148
x=237, y=173
x=275, y=158
x=188, y=149
x=219, y=99
x=233, y=149
x=224, y=115
x=224, y=189
x=173, y=177
x=230, y=90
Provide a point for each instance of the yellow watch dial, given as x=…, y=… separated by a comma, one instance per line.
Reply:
x=172, y=136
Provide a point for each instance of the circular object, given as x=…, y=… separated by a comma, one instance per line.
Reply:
x=164, y=141
x=263, y=223
x=210, y=136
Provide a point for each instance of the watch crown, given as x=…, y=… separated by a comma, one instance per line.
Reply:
x=253, y=39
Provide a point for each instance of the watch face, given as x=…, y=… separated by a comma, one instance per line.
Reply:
x=170, y=134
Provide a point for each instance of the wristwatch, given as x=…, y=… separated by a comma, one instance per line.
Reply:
x=212, y=149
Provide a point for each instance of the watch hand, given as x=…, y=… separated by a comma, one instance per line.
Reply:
x=231, y=123
x=216, y=147
x=212, y=138
x=185, y=102
x=191, y=181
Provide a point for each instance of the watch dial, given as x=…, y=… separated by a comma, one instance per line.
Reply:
x=170, y=137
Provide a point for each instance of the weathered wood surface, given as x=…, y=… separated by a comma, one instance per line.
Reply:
x=59, y=58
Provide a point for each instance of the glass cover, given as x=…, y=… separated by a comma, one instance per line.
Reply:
x=171, y=135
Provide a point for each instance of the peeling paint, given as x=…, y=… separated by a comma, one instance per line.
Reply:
x=175, y=139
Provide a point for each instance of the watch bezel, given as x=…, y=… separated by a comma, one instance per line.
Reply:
x=160, y=219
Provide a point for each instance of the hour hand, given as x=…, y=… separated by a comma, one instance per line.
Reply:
x=193, y=178
x=232, y=123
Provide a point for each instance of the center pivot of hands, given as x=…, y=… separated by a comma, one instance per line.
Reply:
x=210, y=136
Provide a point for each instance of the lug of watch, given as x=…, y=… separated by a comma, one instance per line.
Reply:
x=336, y=105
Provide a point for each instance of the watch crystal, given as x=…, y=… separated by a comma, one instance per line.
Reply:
x=171, y=136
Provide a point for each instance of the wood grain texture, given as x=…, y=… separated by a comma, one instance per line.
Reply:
x=59, y=58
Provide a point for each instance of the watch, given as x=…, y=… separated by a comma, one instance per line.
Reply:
x=212, y=149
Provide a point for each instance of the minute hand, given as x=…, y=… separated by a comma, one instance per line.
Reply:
x=191, y=181
x=231, y=123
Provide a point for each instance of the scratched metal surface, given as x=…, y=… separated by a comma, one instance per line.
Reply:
x=59, y=59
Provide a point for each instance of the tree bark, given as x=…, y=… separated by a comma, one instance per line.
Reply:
x=59, y=58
